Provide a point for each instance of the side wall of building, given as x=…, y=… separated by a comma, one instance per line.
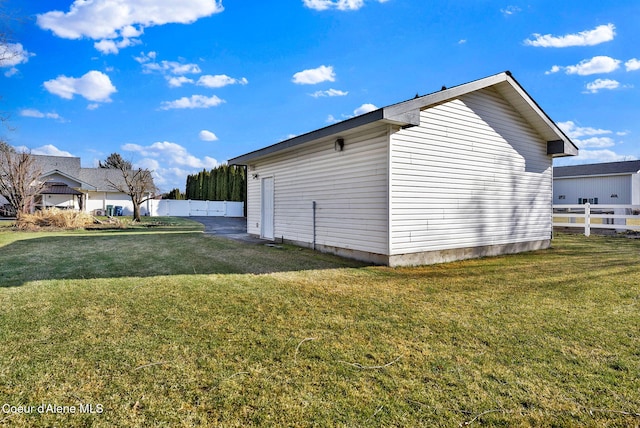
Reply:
x=349, y=188
x=472, y=175
x=614, y=189
x=98, y=201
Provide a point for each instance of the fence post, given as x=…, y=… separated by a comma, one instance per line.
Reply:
x=587, y=219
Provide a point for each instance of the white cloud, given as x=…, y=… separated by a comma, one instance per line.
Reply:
x=554, y=69
x=598, y=156
x=29, y=112
x=574, y=131
x=364, y=108
x=172, y=153
x=12, y=54
x=586, y=67
x=94, y=86
x=633, y=64
x=171, y=67
x=146, y=57
x=599, y=84
x=315, y=75
x=120, y=21
x=175, y=73
x=597, y=64
x=596, y=146
x=195, y=101
x=510, y=10
x=595, y=142
x=113, y=47
x=12, y=71
x=50, y=150
x=329, y=93
x=220, y=80
x=169, y=162
x=131, y=31
x=334, y=4
x=176, y=82
x=205, y=135
x=600, y=34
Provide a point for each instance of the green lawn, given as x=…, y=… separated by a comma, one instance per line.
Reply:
x=165, y=326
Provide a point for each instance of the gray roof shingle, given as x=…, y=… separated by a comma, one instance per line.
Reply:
x=98, y=178
x=609, y=168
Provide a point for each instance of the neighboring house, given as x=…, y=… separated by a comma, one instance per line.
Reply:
x=69, y=186
x=616, y=183
x=460, y=173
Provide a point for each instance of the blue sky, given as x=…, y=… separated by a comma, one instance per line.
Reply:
x=178, y=86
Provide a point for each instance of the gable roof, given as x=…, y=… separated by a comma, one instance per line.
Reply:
x=608, y=168
x=101, y=178
x=93, y=179
x=81, y=184
x=407, y=113
x=67, y=164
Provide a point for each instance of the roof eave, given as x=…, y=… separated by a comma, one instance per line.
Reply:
x=407, y=113
x=561, y=148
x=83, y=184
x=327, y=131
x=568, y=147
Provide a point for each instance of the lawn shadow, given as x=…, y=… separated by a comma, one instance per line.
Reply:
x=138, y=255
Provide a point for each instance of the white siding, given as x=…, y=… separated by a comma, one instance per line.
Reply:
x=593, y=187
x=349, y=188
x=60, y=201
x=100, y=200
x=474, y=173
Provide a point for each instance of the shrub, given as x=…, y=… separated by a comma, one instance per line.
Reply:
x=54, y=218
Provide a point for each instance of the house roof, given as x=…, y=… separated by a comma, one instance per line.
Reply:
x=67, y=164
x=57, y=188
x=407, y=113
x=93, y=179
x=80, y=184
x=608, y=168
x=102, y=178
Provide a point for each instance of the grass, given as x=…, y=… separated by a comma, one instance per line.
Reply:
x=266, y=336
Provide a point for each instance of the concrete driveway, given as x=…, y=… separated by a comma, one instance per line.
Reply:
x=228, y=227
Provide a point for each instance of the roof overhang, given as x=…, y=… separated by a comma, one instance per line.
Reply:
x=407, y=113
x=81, y=184
x=53, y=188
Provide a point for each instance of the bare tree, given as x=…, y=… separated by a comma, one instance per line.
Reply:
x=8, y=51
x=137, y=183
x=19, y=178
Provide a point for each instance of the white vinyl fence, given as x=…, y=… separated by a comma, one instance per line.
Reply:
x=172, y=207
x=620, y=218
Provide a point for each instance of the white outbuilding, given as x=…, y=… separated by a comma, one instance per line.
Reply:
x=609, y=183
x=460, y=173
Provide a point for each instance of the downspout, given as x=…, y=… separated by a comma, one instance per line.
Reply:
x=314, y=224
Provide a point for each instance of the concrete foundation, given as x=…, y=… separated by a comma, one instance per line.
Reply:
x=429, y=257
x=443, y=256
